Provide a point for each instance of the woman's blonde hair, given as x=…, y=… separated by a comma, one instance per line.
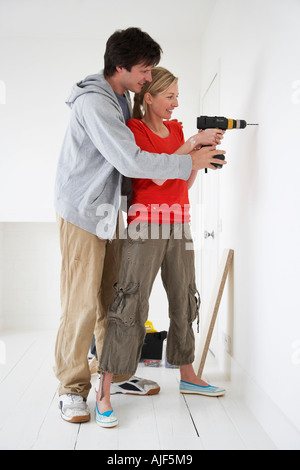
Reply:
x=162, y=79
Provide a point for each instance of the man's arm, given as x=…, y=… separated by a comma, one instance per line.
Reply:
x=101, y=119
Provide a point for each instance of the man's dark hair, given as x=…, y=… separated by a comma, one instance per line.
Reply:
x=129, y=47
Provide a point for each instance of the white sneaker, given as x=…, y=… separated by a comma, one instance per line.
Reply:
x=73, y=408
x=133, y=386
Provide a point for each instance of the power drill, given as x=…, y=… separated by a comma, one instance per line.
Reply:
x=219, y=122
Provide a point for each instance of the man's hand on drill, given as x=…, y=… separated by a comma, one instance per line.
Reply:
x=204, y=158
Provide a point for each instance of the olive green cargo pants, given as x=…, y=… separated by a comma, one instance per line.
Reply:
x=142, y=257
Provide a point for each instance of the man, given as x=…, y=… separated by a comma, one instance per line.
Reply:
x=97, y=152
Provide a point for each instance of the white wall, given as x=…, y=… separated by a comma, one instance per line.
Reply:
x=1, y=277
x=30, y=275
x=257, y=44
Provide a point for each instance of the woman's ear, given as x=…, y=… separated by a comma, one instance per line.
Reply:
x=148, y=97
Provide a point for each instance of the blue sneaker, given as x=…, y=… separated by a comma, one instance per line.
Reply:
x=107, y=419
x=208, y=390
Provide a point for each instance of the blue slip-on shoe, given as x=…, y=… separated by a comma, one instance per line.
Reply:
x=208, y=390
x=107, y=419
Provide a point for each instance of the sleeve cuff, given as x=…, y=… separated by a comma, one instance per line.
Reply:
x=185, y=167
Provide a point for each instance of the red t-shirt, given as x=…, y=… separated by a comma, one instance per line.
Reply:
x=151, y=202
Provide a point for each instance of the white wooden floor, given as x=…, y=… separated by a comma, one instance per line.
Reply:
x=29, y=415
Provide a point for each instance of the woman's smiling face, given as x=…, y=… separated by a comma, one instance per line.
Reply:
x=164, y=103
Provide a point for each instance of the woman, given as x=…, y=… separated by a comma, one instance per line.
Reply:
x=158, y=234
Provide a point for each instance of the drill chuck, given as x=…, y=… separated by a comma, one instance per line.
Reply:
x=218, y=122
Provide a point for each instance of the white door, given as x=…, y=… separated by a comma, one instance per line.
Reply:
x=208, y=223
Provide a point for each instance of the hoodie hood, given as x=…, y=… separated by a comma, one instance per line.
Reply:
x=91, y=84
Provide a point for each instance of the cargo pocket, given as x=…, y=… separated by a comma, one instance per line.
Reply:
x=194, y=305
x=125, y=304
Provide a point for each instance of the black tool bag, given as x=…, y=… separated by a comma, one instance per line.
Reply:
x=153, y=344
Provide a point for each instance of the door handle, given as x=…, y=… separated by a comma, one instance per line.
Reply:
x=207, y=234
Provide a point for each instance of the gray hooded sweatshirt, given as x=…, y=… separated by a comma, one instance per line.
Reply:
x=97, y=151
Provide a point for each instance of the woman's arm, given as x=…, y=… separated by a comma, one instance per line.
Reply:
x=206, y=137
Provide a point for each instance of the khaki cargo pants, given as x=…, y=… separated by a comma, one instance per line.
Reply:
x=142, y=257
x=90, y=267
